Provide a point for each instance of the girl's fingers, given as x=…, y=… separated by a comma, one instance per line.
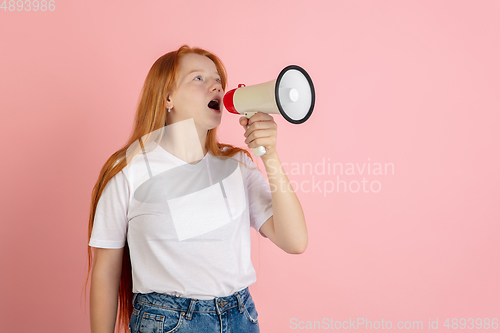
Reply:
x=243, y=121
x=269, y=134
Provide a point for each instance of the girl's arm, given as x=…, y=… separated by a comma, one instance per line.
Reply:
x=106, y=274
x=287, y=227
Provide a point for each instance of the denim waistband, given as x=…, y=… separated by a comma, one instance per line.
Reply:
x=190, y=305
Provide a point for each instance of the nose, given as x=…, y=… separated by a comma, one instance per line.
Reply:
x=216, y=86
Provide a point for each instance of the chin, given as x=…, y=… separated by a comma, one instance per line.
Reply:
x=217, y=125
x=213, y=124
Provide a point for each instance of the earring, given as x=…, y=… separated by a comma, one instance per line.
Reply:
x=168, y=110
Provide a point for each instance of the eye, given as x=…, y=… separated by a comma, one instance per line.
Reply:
x=198, y=77
x=218, y=80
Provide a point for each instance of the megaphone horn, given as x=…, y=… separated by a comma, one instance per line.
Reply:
x=291, y=95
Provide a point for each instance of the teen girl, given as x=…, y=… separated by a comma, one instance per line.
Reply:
x=171, y=211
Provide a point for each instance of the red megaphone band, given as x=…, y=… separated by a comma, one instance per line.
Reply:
x=229, y=102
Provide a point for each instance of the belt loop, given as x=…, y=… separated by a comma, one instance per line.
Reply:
x=240, y=302
x=190, y=309
x=217, y=309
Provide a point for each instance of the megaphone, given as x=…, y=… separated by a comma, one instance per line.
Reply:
x=291, y=94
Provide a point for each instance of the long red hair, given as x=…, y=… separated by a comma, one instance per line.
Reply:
x=150, y=116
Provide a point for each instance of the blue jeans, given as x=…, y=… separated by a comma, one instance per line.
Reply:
x=162, y=313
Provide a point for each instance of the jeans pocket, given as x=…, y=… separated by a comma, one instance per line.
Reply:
x=155, y=320
x=132, y=325
x=250, y=310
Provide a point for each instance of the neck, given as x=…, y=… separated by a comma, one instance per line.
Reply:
x=185, y=141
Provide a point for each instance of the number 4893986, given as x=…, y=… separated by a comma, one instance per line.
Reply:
x=27, y=5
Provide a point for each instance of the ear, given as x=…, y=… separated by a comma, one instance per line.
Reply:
x=168, y=102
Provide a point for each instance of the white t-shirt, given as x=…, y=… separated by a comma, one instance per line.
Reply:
x=187, y=226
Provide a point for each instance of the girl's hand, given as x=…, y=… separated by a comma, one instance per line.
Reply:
x=263, y=131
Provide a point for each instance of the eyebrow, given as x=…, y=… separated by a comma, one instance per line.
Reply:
x=200, y=70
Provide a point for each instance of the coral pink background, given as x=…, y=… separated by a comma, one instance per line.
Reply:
x=412, y=83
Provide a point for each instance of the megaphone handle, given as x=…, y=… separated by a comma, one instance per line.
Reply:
x=260, y=150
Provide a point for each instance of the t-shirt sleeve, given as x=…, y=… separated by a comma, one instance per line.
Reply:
x=259, y=195
x=110, y=220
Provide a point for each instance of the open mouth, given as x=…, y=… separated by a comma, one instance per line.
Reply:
x=214, y=104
